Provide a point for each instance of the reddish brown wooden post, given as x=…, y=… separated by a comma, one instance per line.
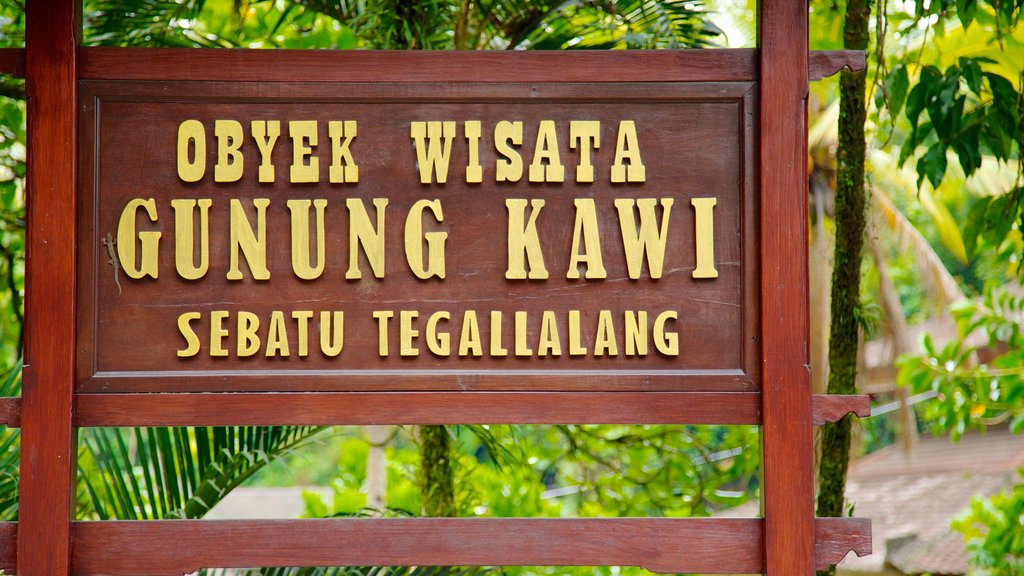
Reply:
x=786, y=399
x=48, y=451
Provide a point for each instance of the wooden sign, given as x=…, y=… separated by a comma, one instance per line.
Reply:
x=379, y=237
x=245, y=237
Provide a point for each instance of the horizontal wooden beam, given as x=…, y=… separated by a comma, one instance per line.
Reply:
x=718, y=65
x=365, y=408
x=12, y=62
x=822, y=63
x=832, y=407
x=705, y=545
x=10, y=411
x=8, y=546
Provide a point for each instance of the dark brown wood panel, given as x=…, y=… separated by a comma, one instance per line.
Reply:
x=8, y=546
x=709, y=546
x=10, y=412
x=699, y=142
x=788, y=456
x=48, y=454
x=356, y=408
x=720, y=65
x=12, y=62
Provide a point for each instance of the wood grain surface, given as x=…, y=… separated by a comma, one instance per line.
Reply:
x=720, y=65
x=787, y=446
x=48, y=453
x=12, y=62
x=8, y=546
x=710, y=546
x=355, y=408
x=696, y=141
x=10, y=412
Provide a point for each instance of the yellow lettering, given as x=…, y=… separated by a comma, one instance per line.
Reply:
x=218, y=333
x=343, y=166
x=191, y=340
x=414, y=237
x=229, y=155
x=648, y=240
x=636, y=333
x=586, y=135
x=522, y=238
x=265, y=133
x=362, y=233
x=666, y=342
x=627, y=148
x=546, y=150
x=300, y=238
x=277, y=335
x=191, y=133
x=605, y=343
x=382, y=317
x=576, y=347
x=469, y=337
x=521, y=329
x=506, y=134
x=302, y=317
x=406, y=334
x=184, y=237
x=549, y=341
x=496, y=348
x=433, y=149
x=474, y=171
x=331, y=347
x=252, y=245
x=150, y=241
x=705, y=241
x=303, y=135
x=248, y=340
x=439, y=343
x=586, y=222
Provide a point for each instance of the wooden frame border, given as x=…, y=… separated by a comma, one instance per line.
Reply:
x=787, y=465
x=704, y=545
x=48, y=450
x=743, y=378
x=789, y=541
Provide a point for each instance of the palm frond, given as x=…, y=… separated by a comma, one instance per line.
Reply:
x=154, y=473
x=147, y=23
x=935, y=278
x=10, y=451
x=579, y=24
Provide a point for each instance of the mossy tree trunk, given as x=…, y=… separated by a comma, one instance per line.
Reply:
x=437, y=482
x=850, y=218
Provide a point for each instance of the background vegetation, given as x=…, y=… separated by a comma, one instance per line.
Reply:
x=943, y=195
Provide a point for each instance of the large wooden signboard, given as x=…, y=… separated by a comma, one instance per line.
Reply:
x=242, y=237
x=422, y=236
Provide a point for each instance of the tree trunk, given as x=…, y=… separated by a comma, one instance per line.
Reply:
x=850, y=217
x=437, y=482
x=901, y=342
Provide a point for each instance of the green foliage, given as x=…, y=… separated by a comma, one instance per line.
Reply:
x=969, y=112
x=992, y=530
x=151, y=473
x=10, y=451
x=974, y=394
x=400, y=24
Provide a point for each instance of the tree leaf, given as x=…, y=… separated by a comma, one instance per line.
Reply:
x=932, y=165
x=896, y=85
x=966, y=10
